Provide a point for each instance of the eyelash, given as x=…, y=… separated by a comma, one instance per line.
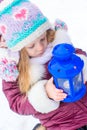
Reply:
x=42, y=39
x=31, y=47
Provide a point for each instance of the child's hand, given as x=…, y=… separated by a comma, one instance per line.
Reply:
x=53, y=92
x=59, y=24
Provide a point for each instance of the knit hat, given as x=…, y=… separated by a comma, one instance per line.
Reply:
x=21, y=22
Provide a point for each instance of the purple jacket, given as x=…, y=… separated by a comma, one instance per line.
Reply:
x=69, y=116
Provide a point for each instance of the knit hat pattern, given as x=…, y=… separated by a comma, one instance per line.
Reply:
x=21, y=23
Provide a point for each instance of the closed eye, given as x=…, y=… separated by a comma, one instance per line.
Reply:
x=43, y=39
x=30, y=47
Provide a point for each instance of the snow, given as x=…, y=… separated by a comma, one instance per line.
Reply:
x=74, y=13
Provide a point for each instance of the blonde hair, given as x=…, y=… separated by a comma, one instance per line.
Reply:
x=23, y=65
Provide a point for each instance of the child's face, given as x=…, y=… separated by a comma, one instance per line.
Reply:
x=38, y=46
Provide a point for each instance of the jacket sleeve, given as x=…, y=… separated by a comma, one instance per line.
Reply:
x=18, y=102
x=39, y=99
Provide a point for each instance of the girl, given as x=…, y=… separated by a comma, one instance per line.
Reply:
x=33, y=93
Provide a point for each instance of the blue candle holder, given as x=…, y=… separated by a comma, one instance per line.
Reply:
x=66, y=69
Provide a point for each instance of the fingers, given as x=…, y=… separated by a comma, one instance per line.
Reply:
x=58, y=90
x=53, y=92
x=50, y=80
x=60, y=95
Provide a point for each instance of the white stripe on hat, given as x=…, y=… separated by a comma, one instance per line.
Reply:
x=38, y=32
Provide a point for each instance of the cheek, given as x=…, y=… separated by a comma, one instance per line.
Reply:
x=30, y=52
x=46, y=43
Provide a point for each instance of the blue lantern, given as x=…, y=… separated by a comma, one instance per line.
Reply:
x=66, y=69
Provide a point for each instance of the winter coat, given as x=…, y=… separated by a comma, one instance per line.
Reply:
x=52, y=114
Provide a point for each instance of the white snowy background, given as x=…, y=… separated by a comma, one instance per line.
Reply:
x=74, y=13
